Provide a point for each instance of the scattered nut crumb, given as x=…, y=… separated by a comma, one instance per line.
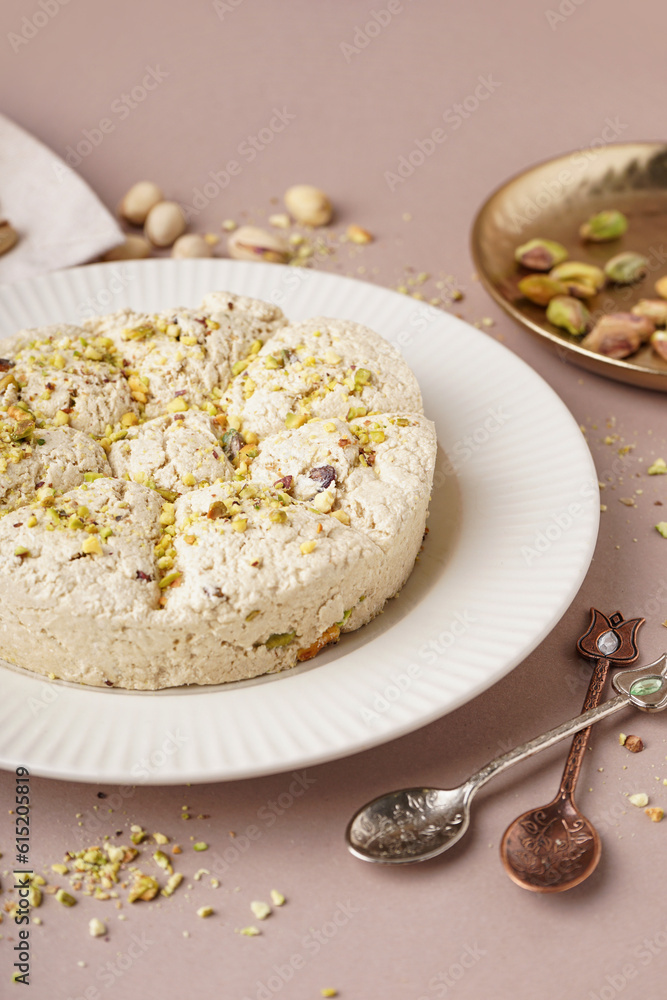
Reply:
x=205, y=911
x=96, y=928
x=622, y=738
x=655, y=813
x=639, y=799
x=250, y=931
x=357, y=234
x=634, y=744
x=260, y=910
x=277, y=898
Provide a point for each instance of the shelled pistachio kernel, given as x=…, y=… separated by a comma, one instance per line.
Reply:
x=626, y=268
x=604, y=226
x=569, y=314
x=540, y=255
x=541, y=289
x=655, y=309
x=582, y=280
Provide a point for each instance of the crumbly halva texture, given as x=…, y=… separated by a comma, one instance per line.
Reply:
x=202, y=495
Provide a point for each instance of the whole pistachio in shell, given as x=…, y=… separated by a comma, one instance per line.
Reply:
x=582, y=280
x=308, y=205
x=540, y=255
x=659, y=343
x=655, y=309
x=540, y=288
x=618, y=335
x=604, y=226
x=252, y=243
x=569, y=314
x=626, y=268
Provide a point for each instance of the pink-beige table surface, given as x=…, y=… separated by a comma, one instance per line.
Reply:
x=336, y=94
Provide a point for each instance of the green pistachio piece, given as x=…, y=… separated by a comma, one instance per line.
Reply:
x=582, y=280
x=655, y=309
x=145, y=888
x=280, y=639
x=362, y=376
x=540, y=255
x=604, y=226
x=540, y=289
x=626, y=268
x=163, y=861
x=294, y=420
x=569, y=314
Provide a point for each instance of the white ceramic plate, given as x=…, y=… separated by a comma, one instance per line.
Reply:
x=513, y=524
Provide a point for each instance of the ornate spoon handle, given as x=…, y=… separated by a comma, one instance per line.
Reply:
x=553, y=736
x=580, y=741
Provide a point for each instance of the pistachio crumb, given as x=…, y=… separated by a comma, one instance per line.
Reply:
x=655, y=813
x=639, y=799
x=250, y=931
x=96, y=928
x=67, y=900
x=277, y=898
x=261, y=910
x=205, y=911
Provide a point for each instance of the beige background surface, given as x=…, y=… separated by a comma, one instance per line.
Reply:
x=355, y=101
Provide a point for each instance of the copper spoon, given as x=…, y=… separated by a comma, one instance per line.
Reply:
x=417, y=824
x=554, y=847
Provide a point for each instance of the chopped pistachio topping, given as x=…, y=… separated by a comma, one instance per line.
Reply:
x=260, y=910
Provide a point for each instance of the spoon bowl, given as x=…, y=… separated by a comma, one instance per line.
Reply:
x=551, y=848
x=409, y=825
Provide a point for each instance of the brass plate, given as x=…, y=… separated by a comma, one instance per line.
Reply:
x=551, y=200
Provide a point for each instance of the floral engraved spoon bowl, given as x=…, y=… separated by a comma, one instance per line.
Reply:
x=417, y=824
x=554, y=847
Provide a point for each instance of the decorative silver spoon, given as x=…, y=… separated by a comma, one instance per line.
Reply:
x=417, y=824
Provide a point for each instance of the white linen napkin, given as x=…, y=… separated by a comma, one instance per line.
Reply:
x=59, y=219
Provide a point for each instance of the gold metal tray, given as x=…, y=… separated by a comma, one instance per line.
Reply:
x=551, y=200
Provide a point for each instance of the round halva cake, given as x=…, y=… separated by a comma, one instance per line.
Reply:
x=202, y=495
